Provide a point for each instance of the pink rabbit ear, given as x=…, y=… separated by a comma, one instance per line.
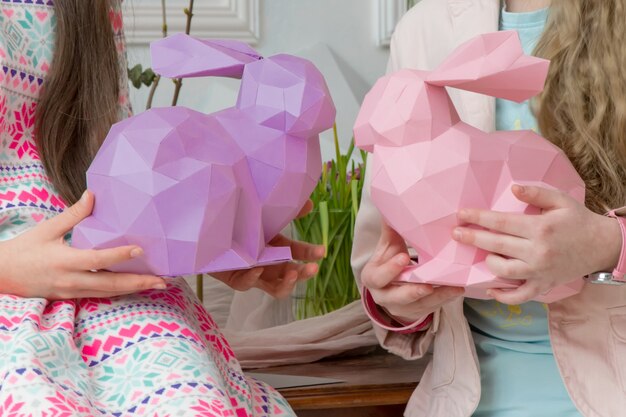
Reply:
x=180, y=56
x=493, y=64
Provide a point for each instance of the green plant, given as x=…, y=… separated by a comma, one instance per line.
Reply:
x=138, y=76
x=336, y=198
x=411, y=3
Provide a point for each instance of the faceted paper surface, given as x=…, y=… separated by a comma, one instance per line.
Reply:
x=427, y=164
x=206, y=193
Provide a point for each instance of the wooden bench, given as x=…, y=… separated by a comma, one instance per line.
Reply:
x=377, y=384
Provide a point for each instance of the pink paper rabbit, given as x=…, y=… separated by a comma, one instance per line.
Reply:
x=428, y=164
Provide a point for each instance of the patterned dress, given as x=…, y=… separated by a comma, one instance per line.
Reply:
x=157, y=353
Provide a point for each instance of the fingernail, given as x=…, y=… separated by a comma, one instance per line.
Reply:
x=401, y=260
x=462, y=214
x=489, y=293
x=135, y=252
x=84, y=197
x=320, y=251
x=457, y=234
x=520, y=189
x=159, y=286
x=424, y=291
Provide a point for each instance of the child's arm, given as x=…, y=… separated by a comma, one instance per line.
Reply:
x=379, y=255
x=406, y=302
x=38, y=263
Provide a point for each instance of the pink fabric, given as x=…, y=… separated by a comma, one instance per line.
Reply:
x=388, y=322
x=619, y=273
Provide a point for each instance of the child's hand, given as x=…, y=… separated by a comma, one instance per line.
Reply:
x=278, y=280
x=38, y=263
x=405, y=302
x=566, y=241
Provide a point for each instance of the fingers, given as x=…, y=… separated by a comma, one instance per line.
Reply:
x=541, y=197
x=502, y=244
x=103, y=258
x=390, y=237
x=508, y=223
x=517, y=224
x=300, y=251
x=306, y=209
x=309, y=271
x=104, y=284
x=276, y=280
x=378, y=275
x=401, y=294
x=59, y=225
x=519, y=295
x=241, y=280
x=121, y=283
x=406, y=294
x=389, y=245
x=279, y=288
x=279, y=280
x=109, y=294
x=513, y=269
x=410, y=301
x=291, y=274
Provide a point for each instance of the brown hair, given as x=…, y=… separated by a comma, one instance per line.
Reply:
x=583, y=106
x=79, y=101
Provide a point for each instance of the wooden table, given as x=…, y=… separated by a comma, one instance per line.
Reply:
x=377, y=384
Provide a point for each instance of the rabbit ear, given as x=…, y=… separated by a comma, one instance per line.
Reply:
x=493, y=64
x=180, y=56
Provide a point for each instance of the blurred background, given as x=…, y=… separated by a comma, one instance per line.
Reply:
x=347, y=40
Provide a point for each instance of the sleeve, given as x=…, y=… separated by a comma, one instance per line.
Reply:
x=412, y=344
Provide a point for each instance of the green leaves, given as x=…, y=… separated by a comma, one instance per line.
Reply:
x=138, y=76
x=331, y=223
x=411, y=3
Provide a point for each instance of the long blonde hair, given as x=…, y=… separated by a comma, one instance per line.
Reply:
x=583, y=106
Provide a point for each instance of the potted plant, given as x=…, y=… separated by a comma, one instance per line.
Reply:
x=331, y=223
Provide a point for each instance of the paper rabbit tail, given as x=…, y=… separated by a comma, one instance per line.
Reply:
x=493, y=64
x=183, y=56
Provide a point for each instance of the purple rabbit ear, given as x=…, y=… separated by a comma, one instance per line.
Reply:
x=493, y=64
x=181, y=56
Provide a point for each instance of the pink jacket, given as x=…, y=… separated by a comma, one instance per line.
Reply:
x=587, y=331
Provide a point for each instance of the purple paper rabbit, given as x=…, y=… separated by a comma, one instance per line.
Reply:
x=207, y=192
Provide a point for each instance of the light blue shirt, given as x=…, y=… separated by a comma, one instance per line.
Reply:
x=519, y=375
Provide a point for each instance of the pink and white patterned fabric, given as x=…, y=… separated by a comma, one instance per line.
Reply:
x=156, y=353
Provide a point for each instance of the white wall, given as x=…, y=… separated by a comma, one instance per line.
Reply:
x=339, y=36
x=348, y=27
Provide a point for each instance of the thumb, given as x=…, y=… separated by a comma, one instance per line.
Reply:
x=540, y=197
x=71, y=216
x=390, y=244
